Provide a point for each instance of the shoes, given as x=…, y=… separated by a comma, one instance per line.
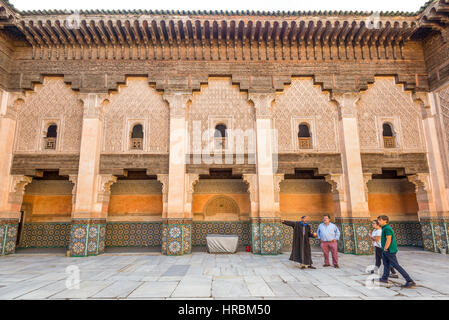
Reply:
x=395, y=276
x=383, y=281
x=302, y=267
x=312, y=267
x=408, y=284
x=326, y=265
x=336, y=266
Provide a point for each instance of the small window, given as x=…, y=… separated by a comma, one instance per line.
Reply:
x=137, y=137
x=304, y=138
x=220, y=136
x=50, y=137
x=388, y=136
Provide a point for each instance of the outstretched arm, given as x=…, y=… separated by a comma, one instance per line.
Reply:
x=288, y=223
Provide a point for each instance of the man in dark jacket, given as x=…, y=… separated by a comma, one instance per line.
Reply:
x=301, y=251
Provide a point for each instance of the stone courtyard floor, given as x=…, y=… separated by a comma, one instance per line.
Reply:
x=205, y=276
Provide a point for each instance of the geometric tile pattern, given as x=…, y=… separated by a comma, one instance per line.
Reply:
x=177, y=237
x=45, y=235
x=408, y=233
x=202, y=229
x=131, y=234
x=8, y=237
x=87, y=238
x=266, y=236
x=355, y=236
x=434, y=234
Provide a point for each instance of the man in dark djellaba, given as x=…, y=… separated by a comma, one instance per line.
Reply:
x=301, y=251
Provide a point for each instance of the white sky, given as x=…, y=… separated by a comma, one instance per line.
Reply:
x=267, y=5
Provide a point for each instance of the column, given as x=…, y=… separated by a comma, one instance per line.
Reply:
x=177, y=226
x=11, y=187
x=87, y=236
x=432, y=189
x=267, y=226
x=353, y=215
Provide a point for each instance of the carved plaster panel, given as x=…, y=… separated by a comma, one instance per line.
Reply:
x=52, y=100
x=303, y=100
x=134, y=103
x=385, y=99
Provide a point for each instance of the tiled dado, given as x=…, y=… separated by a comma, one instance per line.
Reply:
x=408, y=233
x=435, y=233
x=202, y=229
x=266, y=236
x=87, y=237
x=8, y=236
x=45, y=235
x=176, y=237
x=355, y=235
x=133, y=234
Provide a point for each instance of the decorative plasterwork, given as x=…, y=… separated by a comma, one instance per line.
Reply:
x=262, y=104
x=105, y=181
x=177, y=103
x=17, y=187
x=253, y=190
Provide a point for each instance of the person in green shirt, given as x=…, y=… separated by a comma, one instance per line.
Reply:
x=390, y=248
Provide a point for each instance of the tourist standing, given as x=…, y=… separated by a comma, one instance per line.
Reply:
x=329, y=234
x=390, y=248
x=376, y=239
x=301, y=251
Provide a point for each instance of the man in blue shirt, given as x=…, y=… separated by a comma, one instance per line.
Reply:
x=329, y=234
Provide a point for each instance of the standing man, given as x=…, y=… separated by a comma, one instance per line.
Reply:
x=329, y=234
x=390, y=248
x=301, y=251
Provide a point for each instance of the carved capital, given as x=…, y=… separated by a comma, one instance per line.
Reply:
x=10, y=103
x=251, y=181
x=163, y=179
x=262, y=103
x=104, y=187
x=278, y=178
x=347, y=103
x=367, y=177
x=17, y=187
x=190, y=181
x=94, y=104
x=424, y=100
x=177, y=103
x=73, y=178
x=421, y=182
x=337, y=183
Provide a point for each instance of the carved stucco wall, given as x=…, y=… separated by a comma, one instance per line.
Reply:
x=385, y=101
x=136, y=102
x=52, y=101
x=304, y=102
x=444, y=104
x=220, y=102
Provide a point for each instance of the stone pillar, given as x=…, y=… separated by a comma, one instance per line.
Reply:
x=92, y=189
x=433, y=227
x=163, y=179
x=267, y=226
x=432, y=189
x=353, y=215
x=11, y=187
x=177, y=226
x=10, y=214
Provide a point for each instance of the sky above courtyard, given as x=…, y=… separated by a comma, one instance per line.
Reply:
x=282, y=5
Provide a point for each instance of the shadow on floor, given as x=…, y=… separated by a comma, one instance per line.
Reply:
x=133, y=250
x=55, y=251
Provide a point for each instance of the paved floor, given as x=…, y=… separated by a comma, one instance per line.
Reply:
x=205, y=276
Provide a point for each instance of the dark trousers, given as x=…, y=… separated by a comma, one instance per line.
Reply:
x=390, y=261
x=378, y=255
